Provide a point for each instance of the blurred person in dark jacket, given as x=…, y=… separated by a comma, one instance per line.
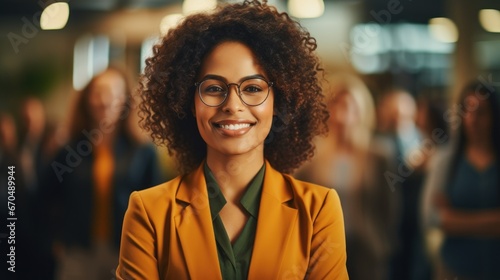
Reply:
x=399, y=140
x=36, y=260
x=91, y=178
x=8, y=157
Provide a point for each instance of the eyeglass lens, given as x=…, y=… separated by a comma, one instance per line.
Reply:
x=252, y=92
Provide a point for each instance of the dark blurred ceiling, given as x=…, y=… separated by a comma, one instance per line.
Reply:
x=418, y=11
x=78, y=7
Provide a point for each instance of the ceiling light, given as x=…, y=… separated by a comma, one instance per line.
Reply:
x=168, y=22
x=490, y=19
x=55, y=16
x=195, y=6
x=306, y=8
x=443, y=29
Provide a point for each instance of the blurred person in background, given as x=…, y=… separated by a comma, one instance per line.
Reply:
x=8, y=138
x=90, y=180
x=431, y=122
x=399, y=140
x=36, y=259
x=463, y=189
x=8, y=157
x=344, y=162
x=431, y=107
x=33, y=128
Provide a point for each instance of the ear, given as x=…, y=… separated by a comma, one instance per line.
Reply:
x=193, y=111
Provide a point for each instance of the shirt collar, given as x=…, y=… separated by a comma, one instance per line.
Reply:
x=250, y=199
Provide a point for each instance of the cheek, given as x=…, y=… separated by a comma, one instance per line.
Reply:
x=202, y=115
x=485, y=121
x=267, y=114
x=118, y=109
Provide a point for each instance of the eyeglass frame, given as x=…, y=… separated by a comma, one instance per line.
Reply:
x=238, y=92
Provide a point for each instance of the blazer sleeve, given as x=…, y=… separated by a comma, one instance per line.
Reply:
x=328, y=249
x=137, y=250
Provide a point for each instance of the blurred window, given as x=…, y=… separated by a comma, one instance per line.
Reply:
x=377, y=48
x=91, y=56
x=147, y=50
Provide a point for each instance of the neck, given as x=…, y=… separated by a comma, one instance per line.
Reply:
x=480, y=156
x=106, y=137
x=104, y=142
x=233, y=173
x=480, y=144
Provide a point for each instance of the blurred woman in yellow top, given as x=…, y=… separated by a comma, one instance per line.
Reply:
x=92, y=176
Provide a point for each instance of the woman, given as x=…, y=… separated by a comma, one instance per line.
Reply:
x=345, y=162
x=232, y=94
x=92, y=177
x=467, y=194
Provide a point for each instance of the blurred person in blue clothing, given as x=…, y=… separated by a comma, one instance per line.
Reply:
x=91, y=178
x=463, y=189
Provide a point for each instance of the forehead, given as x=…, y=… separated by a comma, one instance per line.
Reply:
x=231, y=60
x=109, y=77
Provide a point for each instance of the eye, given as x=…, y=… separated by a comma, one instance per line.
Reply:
x=254, y=86
x=213, y=87
x=252, y=89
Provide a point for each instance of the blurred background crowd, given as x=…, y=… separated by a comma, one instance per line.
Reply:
x=413, y=148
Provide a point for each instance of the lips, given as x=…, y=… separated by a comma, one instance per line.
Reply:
x=233, y=128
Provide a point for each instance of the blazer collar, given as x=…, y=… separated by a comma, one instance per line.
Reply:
x=195, y=228
x=274, y=226
x=194, y=225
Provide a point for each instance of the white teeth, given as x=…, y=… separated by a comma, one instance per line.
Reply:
x=235, y=126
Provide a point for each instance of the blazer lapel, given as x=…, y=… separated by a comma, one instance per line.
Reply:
x=195, y=228
x=275, y=223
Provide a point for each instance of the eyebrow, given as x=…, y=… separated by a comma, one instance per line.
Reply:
x=220, y=78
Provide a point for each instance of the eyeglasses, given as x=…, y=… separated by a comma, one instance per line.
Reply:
x=252, y=91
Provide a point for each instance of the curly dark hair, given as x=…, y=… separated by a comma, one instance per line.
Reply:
x=284, y=49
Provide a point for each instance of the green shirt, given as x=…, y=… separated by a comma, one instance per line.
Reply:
x=234, y=259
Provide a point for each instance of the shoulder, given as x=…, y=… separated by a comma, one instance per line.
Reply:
x=304, y=188
x=311, y=197
x=158, y=198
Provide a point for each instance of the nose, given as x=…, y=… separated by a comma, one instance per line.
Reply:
x=233, y=102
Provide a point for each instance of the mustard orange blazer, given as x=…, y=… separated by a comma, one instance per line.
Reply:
x=167, y=232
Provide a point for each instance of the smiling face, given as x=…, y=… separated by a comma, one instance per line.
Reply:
x=233, y=128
